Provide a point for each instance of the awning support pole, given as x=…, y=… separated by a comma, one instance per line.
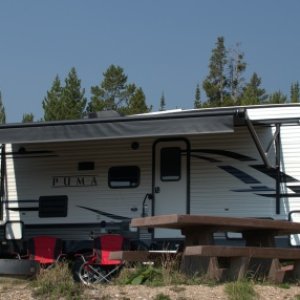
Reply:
x=2, y=175
x=278, y=164
x=257, y=141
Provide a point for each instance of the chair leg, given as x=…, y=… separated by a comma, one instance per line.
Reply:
x=111, y=272
x=90, y=274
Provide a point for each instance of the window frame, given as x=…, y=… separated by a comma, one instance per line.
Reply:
x=163, y=164
x=132, y=183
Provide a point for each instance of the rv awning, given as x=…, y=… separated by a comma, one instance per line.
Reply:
x=148, y=125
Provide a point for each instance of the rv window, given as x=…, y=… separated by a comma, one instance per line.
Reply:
x=170, y=164
x=124, y=177
x=53, y=206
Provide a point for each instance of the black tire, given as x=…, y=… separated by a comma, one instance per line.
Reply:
x=90, y=274
x=75, y=269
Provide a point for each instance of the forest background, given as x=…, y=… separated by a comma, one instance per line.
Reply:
x=224, y=85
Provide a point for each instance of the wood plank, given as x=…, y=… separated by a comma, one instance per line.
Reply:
x=238, y=268
x=142, y=256
x=276, y=273
x=138, y=256
x=228, y=251
x=216, y=223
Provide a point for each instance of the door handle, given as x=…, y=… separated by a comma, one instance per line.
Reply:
x=157, y=189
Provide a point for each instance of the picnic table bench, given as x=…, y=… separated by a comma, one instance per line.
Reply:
x=240, y=259
x=259, y=255
x=142, y=255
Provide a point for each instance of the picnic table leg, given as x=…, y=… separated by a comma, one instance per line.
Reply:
x=200, y=265
x=238, y=268
x=276, y=274
x=296, y=270
x=261, y=267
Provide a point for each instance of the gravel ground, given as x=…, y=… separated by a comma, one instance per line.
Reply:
x=22, y=291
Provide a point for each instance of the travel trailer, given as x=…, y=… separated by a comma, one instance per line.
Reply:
x=78, y=179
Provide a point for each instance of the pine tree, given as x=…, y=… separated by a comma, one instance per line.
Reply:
x=215, y=83
x=197, y=102
x=27, y=118
x=2, y=111
x=252, y=93
x=277, y=98
x=52, y=102
x=114, y=93
x=295, y=92
x=137, y=103
x=236, y=68
x=72, y=98
x=162, y=102
x=67, y=102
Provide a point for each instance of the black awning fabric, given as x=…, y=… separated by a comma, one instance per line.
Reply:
x=122, y=127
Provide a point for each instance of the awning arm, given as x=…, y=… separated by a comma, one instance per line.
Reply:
x=257, y=142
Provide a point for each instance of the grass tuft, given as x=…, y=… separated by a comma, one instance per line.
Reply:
x=162, y=296
x=240, y=290
x=57, y=282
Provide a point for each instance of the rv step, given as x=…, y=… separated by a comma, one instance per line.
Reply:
x=17, y=267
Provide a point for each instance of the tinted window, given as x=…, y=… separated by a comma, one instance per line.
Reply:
x=53, y=206
x=124, y=177
x=170, y=164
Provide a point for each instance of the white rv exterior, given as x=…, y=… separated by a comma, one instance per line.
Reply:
x=76, y=189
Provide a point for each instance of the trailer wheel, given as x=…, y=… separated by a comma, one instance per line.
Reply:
x=76, y=268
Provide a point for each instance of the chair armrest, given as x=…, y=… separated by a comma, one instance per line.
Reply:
x=84, y=257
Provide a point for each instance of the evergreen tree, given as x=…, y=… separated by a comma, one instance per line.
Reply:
x=72, y=97
x=295, y=93
x=252, y=93
x=137, y=103
x=27, y=118
x=197, y=101
x=114, y=93
x=52, y=102
x=2, y=111
x=215, y=83
x=65, y=103
x=236, y=67
x=162, y=102
x=277, y=98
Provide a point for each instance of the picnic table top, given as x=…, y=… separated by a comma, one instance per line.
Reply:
x=216, y=223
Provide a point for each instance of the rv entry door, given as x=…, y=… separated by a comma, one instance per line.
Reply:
x=170, y=182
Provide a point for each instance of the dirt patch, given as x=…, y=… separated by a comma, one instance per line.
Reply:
x=23, y=291
x=184, y=292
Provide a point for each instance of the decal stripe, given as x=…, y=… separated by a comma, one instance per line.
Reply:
x=281, y=195
x=226, y=153
x=109, y=215
x=272, y=172
x=24, y=208
x=295, y=188
x=244, y=177
x=210, y=159
x=256, y=189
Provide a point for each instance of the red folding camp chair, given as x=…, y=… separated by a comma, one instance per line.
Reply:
x=99, y=267
x=46, y=250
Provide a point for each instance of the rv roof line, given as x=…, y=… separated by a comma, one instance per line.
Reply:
x=236, y=111
x=175, y=115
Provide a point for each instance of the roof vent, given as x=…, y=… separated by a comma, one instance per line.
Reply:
x=104, y=114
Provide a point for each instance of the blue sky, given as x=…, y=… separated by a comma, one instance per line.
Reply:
x=163, y=45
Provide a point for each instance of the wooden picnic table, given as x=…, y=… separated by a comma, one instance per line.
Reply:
x=199, y=229
x=259, y=234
